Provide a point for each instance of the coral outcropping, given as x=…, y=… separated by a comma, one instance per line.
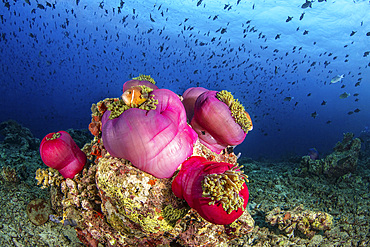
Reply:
x=342, y=161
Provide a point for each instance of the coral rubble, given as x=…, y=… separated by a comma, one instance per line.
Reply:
x=306, y=222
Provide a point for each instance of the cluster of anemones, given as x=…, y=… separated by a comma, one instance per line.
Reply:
x=149, y=127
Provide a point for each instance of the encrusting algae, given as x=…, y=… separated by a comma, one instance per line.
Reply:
x=137, y=200
x=48, y=177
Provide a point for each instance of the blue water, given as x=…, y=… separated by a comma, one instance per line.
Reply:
x=59, y=57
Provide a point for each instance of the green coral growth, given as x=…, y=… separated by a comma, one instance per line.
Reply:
x=55, y=136
x=117, y=108
x=237, y=110
x=150, y=104
x=145, y=90
x=172, y=215
x=142, y=77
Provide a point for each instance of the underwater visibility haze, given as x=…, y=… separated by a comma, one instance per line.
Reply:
x=300, y=68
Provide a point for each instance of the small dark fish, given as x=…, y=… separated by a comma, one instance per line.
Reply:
x=350, y=112
x=357, y=110
x=368, y=34
x=277, y=36
x=309, y=94
x=151, y=18
x=328, y=122
x=288, y=98
x=302, y=15
x=289, y=19
x=344, y=95
x=343, y=86
x=40, y=6
x=7, y=5
x=314, y=114
x=322, y=1
x=357, y=84
x=353, y=33
x=305, y=32
x=199, y=2
x=307, y=4
x=356, y=94
x=323, y=102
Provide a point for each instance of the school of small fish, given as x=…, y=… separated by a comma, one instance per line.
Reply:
x=90, y=48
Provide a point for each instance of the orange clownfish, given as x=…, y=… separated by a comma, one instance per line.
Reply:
x=133, y=97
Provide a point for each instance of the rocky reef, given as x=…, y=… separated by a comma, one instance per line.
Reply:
x=84, y=214
x=123, y=196
x=342, y=161
x=115, y=203
x=365, y=141
x=299, y=221
x=17, y=152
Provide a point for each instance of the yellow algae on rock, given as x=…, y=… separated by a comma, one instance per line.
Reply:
x=134, y=199
x=48, y=177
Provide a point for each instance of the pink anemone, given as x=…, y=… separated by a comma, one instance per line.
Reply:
x=189, y=98
x=156, y=141
x=216, y=190
x=215, y=124
x=59, y=151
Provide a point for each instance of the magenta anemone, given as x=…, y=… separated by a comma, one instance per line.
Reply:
x=155, y=139
x=220, y=120
x=216, y=190
x=59, y=151
x=189, y=98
